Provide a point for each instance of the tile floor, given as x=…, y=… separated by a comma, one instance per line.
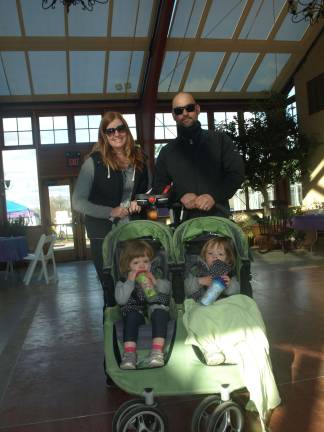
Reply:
x=51, y=349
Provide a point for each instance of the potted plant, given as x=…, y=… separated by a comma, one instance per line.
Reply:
x=13, y=228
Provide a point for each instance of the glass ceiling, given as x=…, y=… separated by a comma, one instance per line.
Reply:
x=214, y=48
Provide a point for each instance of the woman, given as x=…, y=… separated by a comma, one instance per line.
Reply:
x=111, y=176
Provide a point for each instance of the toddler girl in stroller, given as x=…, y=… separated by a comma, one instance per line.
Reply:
x=139, y=291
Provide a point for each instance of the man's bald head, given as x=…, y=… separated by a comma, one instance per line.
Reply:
x=182, y=99
x=187, y=117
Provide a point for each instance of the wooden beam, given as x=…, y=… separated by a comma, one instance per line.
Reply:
x=62, y=43
x=146, y=118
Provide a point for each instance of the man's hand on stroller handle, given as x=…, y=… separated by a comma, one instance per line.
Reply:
x=202, y=202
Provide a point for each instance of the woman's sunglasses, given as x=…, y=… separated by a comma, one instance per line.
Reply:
x=179, y=110
x=111, y=131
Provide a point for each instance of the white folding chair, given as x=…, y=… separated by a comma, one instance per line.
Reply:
x=43, y=253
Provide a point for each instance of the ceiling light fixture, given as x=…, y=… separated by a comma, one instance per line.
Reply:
x=310, y=11
x=86, y=4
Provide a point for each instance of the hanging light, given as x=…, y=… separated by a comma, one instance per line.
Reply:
x=86, y=4
x=310, y=11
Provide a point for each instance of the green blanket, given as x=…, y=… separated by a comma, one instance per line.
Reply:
x=234, y=326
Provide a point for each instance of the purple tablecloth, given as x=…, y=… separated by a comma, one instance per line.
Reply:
x=13, y=248
x=308, y=222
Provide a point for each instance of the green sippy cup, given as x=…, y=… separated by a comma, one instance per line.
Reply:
x=146, y=284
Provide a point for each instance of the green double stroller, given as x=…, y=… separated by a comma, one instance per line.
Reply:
x=184, y=373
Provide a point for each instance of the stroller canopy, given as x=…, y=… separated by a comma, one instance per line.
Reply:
x=204, y=225
x=135, y=230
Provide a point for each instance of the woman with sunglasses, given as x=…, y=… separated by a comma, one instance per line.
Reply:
x=203, y=166
x=112, y=174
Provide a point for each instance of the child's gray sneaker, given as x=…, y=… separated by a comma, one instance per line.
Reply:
x=156, y=359
x=128, y=360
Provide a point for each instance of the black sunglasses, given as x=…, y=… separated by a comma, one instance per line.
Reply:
x=111, y=131
x=179, y=110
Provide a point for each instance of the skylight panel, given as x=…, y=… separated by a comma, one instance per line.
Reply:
x=92, y=24
x=124, y=18
x=222, y=19
x=291, y=31
x=9, y=22
x=41, y=22
x=187, y=17
x=203, y=70
x=172, y=71
x=268, y=71
x=4, y=90
x=86, y=71
x=261, y=18
x=16, y=72
x=48, y=70
x=236, y=71
x=124, y=71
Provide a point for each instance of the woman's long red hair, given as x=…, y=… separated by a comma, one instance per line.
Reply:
x=132, y=152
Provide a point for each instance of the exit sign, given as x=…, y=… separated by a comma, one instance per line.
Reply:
x=73, y=159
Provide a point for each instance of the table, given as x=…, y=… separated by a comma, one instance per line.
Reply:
x=308, y=222
x=12, y=249
x=311, y=224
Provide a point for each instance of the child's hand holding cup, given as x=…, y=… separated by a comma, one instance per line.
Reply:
x=147, y=283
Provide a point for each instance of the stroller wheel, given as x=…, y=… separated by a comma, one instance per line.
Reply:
x=203, y=412
x=123, y=410
x=145, y=419
x=227, y=417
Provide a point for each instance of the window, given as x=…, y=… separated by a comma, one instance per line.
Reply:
x=17, y=131
x=224, y=117
x=131, y=121
x=203, y=120
x=165, y=126
x=292, y=111
x=296, y=194
x=53, y=130
x=157, y=149
x=238, y=202
x=86, y=128
x=256, y=198
x=22, y=195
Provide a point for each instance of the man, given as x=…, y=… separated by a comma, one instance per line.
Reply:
x=203, y=166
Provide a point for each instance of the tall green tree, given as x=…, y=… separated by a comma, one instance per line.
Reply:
x=271, y=145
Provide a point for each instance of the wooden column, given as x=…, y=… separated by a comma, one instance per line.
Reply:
x=147, y=105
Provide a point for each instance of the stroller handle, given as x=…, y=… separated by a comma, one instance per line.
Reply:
x=152, y=200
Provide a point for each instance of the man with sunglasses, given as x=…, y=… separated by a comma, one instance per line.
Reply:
x=203, y=167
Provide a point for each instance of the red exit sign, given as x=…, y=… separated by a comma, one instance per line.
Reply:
x=73, y=159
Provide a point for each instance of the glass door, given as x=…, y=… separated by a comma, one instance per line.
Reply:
x=72, y=242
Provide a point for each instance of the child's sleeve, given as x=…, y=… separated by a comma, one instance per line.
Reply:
x=123, y=291
x=191, y=285
x=233, y=287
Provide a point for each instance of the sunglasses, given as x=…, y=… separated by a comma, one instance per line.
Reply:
x=111, y=131
x=189, y=108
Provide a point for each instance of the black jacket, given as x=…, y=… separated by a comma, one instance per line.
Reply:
x=202, y=162
x=107, y=190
